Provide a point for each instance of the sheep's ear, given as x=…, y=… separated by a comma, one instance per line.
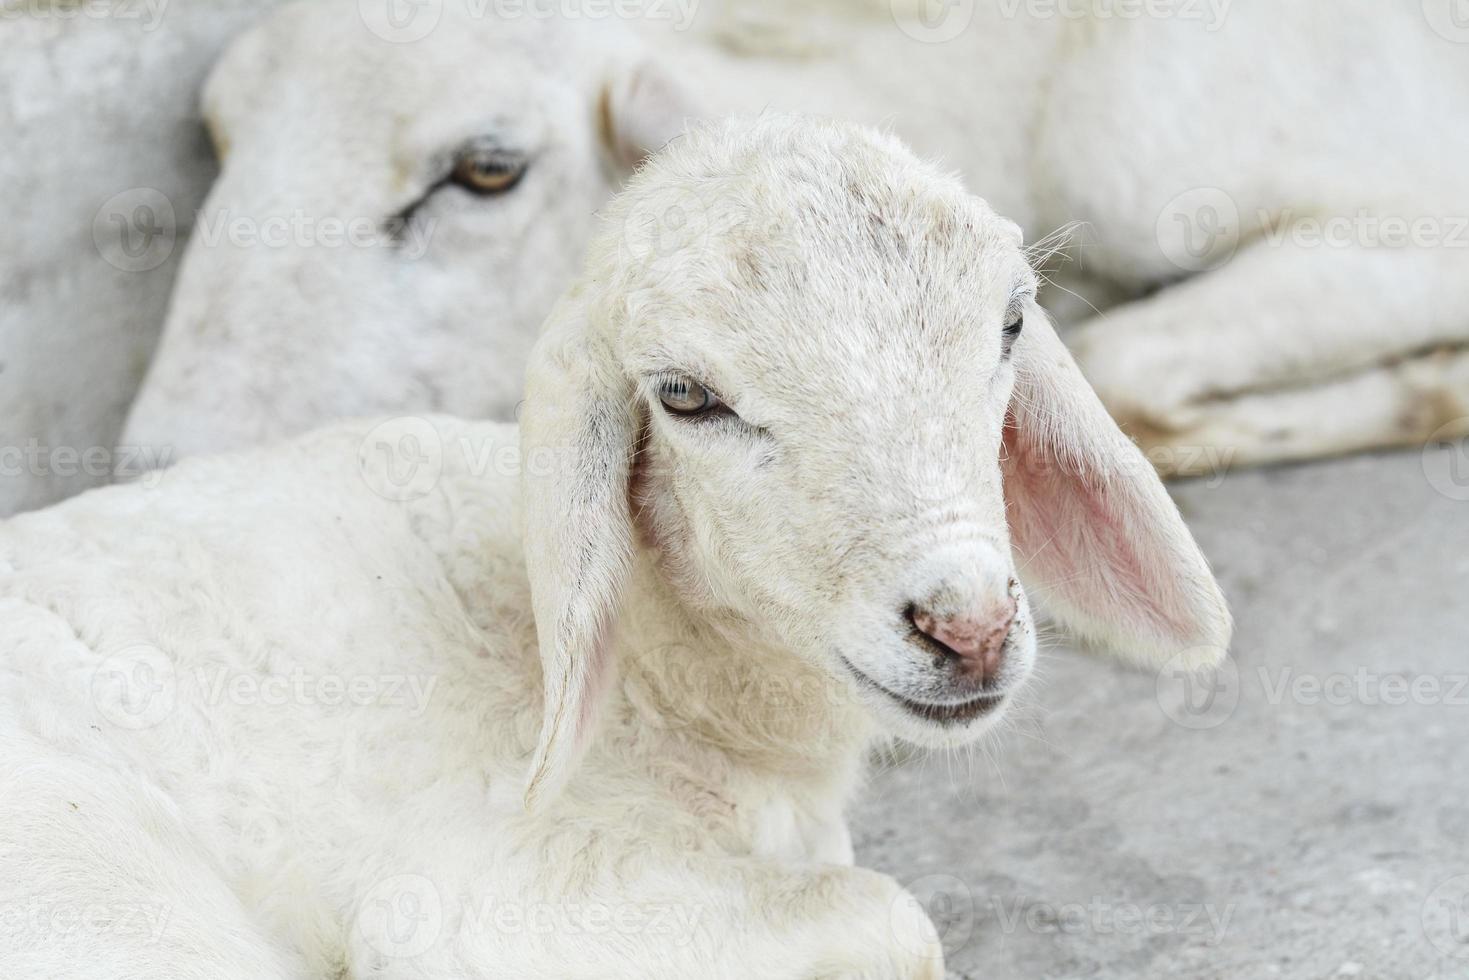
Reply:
x=577, y=429
x=642, y=107
x=235, y=88
x=1095, y=533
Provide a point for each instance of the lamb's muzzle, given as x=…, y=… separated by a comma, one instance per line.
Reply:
x=976, y=642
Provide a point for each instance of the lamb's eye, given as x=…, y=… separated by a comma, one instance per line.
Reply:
x=1013, y=326
x=488, y=169
x=685, y=396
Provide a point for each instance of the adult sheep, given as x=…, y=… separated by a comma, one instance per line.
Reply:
x=742, y=568
x=393, y=218
x=1249, y=330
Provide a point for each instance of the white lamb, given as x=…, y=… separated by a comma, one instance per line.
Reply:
x=281, y=715
x=1205, y=173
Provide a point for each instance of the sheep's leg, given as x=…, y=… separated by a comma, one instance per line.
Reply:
x=1407, y=403
x=100, y=880
x=675, y=917
x=1284, y=318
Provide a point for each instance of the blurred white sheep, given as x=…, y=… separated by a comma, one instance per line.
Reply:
x=392, y=221
x=1199, y=182
x=742, y=575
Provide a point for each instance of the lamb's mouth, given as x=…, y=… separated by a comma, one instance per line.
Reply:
x=957, y=713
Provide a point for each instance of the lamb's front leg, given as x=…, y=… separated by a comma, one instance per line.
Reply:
x=647, y=916
x=1285, y=317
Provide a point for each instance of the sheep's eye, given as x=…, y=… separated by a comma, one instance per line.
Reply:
x=1013, y=326
x=488, y=170
x=685, y=396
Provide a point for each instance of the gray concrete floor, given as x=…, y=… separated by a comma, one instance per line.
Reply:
x=1304, y=824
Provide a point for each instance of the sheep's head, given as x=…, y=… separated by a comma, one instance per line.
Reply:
x=808, y=371
x=394, y=214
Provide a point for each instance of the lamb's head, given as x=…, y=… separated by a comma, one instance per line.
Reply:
x=394, y=216
x=807, y=372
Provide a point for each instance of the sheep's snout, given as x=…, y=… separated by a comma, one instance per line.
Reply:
x=952, y=641
x=964, y=644
x=975, y=641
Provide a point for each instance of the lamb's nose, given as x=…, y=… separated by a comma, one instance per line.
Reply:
x=977, y=641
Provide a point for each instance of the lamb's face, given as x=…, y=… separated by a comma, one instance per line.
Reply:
x=391, y=223
x=825, y=374
x=798, y=370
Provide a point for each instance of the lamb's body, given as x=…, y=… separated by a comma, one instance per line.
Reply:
x=136, y=627
x=647, y=779
x=170, y=666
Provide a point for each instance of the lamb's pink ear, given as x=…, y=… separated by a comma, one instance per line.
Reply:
x=1095, y=534
x=577, y=431
x=643, y=107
